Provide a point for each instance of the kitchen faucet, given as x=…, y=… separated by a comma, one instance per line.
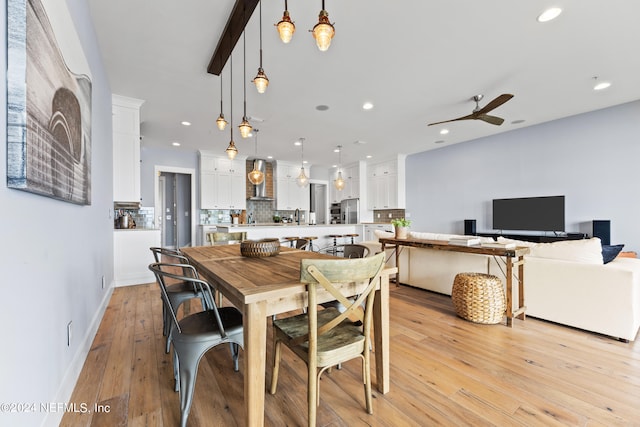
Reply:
x=297, y=215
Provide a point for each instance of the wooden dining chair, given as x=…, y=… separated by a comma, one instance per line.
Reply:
x=222, y=238
x=327, y=337
x=197, y=333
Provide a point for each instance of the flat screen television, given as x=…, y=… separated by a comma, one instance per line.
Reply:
x=529, y=213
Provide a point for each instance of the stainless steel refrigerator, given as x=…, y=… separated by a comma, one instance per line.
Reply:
x=350, y=211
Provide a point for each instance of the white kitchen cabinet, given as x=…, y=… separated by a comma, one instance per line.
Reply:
x=290, y=196
x=131, y=256
x=351, y=190
x=386, y=184
x=126, y=148
x=222, y=182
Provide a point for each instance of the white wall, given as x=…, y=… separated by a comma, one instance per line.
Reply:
x=52, y=257
x=151, y=157
x=593, y=159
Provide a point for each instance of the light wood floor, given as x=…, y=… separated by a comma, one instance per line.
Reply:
x=444, y=371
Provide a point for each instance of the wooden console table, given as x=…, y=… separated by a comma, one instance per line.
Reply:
x=509, y=255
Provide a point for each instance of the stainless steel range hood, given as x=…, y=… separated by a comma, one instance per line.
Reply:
x=260, y=190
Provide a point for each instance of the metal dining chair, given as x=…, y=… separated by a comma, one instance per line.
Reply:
x=178, y=291
x=324, y=338
x=197, y=333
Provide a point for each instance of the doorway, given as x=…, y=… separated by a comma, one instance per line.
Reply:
x=175, y=206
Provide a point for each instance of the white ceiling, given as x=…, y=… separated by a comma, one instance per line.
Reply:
x=417, y=61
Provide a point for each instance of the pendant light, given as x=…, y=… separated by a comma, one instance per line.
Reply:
x=256, y=176
x=302, y=180
x=245, y=127
x=285, y=27
x=261, y=81
x=231, y=150
x=221, y=122
x=339, y=181
x=323, y=31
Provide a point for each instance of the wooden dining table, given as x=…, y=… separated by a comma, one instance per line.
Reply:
x=266, y=286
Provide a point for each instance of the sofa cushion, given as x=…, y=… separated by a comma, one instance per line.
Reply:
x=610, y=252
x=517, y=242
x=587, y=251
x=384, y=234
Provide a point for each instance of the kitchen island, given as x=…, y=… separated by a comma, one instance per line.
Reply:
x=281, y=230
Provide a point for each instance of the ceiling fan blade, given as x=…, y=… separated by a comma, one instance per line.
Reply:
x=469, y=117
x=491, y=119
x=495, y=103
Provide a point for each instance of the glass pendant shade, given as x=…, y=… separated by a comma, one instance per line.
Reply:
x=245, y=128
x=261, y=81
x=302, y=180
x=221, y=122
x=339, y=182
x=286, y=28
x=323, y=31
x=231, y=150
x=256, y=177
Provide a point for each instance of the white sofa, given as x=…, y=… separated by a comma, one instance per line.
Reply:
x=565, y=282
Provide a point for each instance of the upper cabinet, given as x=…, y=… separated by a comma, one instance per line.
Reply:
x=289, y=195
x=351, y=190
x=126, y=148
x=386, y=184
x=222, y=182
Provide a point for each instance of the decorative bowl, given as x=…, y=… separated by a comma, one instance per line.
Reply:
x=260, y=248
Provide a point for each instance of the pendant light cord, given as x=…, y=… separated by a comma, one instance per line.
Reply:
x=244, y=75
x=261, y=35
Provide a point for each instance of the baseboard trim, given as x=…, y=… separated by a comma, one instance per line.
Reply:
x=70, y=379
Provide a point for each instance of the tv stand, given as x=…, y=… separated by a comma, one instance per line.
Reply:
x=536, y=238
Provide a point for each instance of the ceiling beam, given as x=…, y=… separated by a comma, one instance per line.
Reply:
x=242, y=11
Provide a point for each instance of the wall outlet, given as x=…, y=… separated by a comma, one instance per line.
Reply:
x=104, y=282
x=69, y=333
x=378, y=215
x=390, y=215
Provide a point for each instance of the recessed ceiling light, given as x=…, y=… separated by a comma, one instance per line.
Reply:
x=185, y=123
x=549, y=14
x=175, y=144
x=440, y=141
x=305, y=162
x=269, y=157
x=334, y=166
x=298, y=143
x=444, y=131
x=369, y=156
x=367, y=106
x=336, y=150
x=517, y=122
x=601, y=85
x=359, y=142
x=322, y=107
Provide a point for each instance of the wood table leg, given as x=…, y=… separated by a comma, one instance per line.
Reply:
x=255, y=349
x=521, y=305
x=509, y=278
x=381, y=334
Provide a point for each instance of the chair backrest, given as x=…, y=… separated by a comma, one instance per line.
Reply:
x=302, y=243
x=355, y=251
x=166, y=272
x=168, y=255
x=327, y=273
x=219, y=238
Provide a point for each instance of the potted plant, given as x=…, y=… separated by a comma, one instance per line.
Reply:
x=401, y=226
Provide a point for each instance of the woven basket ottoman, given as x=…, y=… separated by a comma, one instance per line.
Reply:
x=478, y=297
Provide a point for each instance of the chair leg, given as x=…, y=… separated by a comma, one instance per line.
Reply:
x=276, y=366
x=312, y=391
x=367, y=381
x=235, y=353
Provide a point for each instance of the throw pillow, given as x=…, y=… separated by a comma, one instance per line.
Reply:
x=588, y=251
x=610, y=252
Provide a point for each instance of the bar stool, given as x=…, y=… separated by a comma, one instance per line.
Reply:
x=310, y=239
x=352, y=236
x=291, y=240
x=335, y=238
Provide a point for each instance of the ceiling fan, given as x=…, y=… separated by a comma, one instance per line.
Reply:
x=481, y=113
